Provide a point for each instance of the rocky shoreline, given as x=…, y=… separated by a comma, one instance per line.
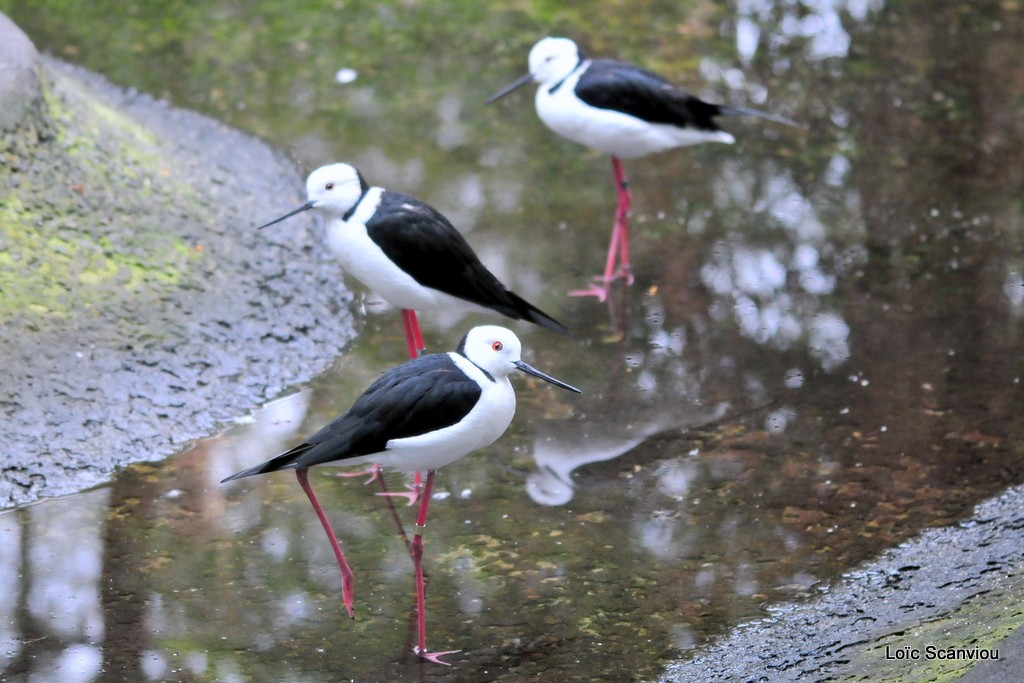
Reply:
x=140, y=308
x=943, y=606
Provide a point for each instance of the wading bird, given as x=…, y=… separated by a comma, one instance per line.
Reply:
x=406, y=252
x=621, y=110
x=427, y=412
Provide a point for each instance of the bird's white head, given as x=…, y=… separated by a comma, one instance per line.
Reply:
x=552, y=59
x=493, y=348
x=497, y=351
x=335, y=188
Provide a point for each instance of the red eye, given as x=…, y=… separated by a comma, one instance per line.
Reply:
x=497, y=346
x=329, y=186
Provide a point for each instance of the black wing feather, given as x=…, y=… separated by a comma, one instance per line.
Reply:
x=610, y=84
x=423, y=243
x=419, y=396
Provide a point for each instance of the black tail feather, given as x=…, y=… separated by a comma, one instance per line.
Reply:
x=285, y=461
x=741, y=111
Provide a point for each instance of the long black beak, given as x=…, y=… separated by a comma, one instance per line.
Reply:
x=530, y=370
x=509, y=88
x=305, y=207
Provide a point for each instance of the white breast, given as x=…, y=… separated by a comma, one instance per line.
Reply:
x=487, y=421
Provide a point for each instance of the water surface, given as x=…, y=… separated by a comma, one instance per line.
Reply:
x=820, y=357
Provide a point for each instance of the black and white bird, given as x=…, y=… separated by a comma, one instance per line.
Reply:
x=621, y=110
x=406, y=252
x=428, y=412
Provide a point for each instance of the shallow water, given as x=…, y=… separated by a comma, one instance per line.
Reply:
x=821, y=355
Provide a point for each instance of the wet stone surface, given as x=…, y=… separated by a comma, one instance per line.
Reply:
x=957, y=587
x=142, y=309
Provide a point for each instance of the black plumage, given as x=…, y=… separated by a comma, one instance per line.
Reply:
x=423, y=243
x=417, y=397
x=610, y=84
x=615, y=85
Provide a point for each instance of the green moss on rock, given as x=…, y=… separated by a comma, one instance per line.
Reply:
x=77, y=175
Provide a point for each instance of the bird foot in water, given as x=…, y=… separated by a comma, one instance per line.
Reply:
x=434, y=657
x=348, y=595
x=623, y=272
x=412, y=495
x=599, y=291
x=373, y=472
x=601, y=285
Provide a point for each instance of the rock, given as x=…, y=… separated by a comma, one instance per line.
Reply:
x=140, y=309
x=19, y=75
x=956, y=587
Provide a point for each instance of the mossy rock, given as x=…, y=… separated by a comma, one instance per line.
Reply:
x=139, y=307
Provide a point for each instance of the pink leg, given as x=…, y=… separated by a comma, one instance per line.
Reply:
x=413, y=338
x=618, y=247
x=347, y=582
x=421, y=590
x=624, y=270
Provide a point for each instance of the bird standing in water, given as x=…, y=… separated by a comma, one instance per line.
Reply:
x=621, y=110
x=426, y=413
x=406, y=252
